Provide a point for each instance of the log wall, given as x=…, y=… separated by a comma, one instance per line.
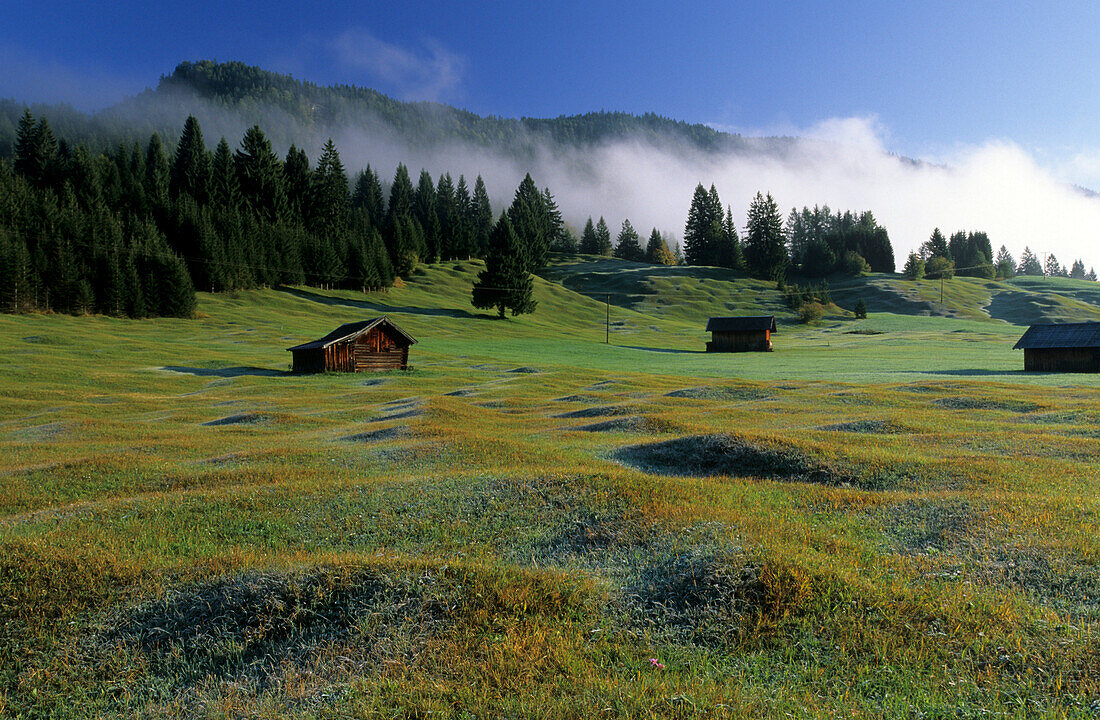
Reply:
x=1062, y=360
x=757, y=341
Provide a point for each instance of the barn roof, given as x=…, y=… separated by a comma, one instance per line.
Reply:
x=758, y=323
x=350, y=331
x=1064, y=335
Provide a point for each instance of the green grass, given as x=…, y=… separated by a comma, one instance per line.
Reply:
x=892, y=522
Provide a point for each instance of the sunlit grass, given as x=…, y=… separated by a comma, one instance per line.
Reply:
x=901, y=522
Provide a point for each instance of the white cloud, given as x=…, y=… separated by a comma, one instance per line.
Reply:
x=432, y=73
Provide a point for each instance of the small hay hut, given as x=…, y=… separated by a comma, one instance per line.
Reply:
x=741, y=334
x=1064, y=347
x=376, y=344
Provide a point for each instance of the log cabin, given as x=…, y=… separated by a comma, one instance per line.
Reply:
x=741, y=334
x=1065, y=347
x=376, y=344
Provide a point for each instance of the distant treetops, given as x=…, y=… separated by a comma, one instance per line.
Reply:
x=970, y=254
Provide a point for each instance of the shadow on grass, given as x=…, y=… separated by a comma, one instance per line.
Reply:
x=374, y=307
x=663, y=350
x=228, y=372
x=982, y=372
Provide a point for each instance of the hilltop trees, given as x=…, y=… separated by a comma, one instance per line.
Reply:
x=505, y=283
x=1029, y=264
x=822, y=243
x=656, y=250
x=765, y=245
x=914, y=267
x=627, y=245
x=1004, y=266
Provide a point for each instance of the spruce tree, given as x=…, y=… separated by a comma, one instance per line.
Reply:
x=424, y=210
x=192, y=167
x=1029, y=264
x=1005, y=266
x=331, y=203
x=627, y=245
x=590, y=244
x=224, y=190
x=446, y=211
x=260, y=177
x=656, y=251
x=603, y=238
x=765, y=248
x=861, y=310
x=298, y=179
x=914, y=267
x=701, y=230
x=1077, y=272
x=505, y=283
x=465, y=243
x=156, y=175
x=368, y=196
x=481, y=218
x=529, y=220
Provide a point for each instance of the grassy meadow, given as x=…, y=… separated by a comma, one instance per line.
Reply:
x=882, y=518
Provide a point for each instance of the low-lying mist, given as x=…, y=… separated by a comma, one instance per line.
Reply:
x=844, y=163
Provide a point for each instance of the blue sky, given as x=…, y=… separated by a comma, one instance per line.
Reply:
x=933, y=74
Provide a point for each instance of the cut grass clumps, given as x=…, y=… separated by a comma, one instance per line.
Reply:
x=969, y=403
x=724, y=601
x=723, y=392
x=870, y=427
x=380, y=435
x=634, y=424
x=598, y=411
x=248, y=418
x=734, y=455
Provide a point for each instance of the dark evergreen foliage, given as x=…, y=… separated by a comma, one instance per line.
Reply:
x=628, y=244
x=765, y=246
x=505, y=283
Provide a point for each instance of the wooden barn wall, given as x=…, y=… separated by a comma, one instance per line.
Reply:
x=1062, y=360
x=381, y=349
x=756, y=341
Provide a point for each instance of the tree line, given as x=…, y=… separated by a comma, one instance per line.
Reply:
x=970, y=254
x=133, y=231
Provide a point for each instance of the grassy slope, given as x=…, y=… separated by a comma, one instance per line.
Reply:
x=473, y=552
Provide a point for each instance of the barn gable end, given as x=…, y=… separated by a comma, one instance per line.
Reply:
x=1066, y=347
x=741, y=334
x=376, y=344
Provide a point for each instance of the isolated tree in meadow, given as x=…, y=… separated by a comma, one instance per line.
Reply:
x=914, y=267
x=656, y=250
x=505, y=283
x=1004, y=266
x=1029, y=264
x=765, y=248
x=861, y=310
x=628, y=245
x=590, y=244
x=603, y=238
x=1077, y=272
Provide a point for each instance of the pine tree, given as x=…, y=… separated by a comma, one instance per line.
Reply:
x=224, y=190
x=465, y=243
x=627, y=245
x=914, y=267
x=156, y=175
x=590, y=244
x=446, y=211
x=368, y=196
x=424, y=210
x=298, y=180
x=530, y=223
x=935, y=246
x=1078, y=270
x=260, y=177
x=703, y=229
x=556, y=233
x=505, y=283
x=1052, y=267
x=765, y=248
x=861, y=310
x=603, y=238
x=331, y=204
x=656, y=251
x=481, y=218
x=1005, y=266
x=1091, y=274
x=729, y=253
x=1029, y=264
x=192, y=167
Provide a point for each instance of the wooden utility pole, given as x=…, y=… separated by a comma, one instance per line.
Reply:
x=607, y=324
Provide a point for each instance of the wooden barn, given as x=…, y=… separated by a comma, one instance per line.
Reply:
x=376, y=344
x=741, y=334
x=1066, y=347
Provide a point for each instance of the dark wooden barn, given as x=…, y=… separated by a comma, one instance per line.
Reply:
x=1066, y=347
x=741, y=334
x=376, y=344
